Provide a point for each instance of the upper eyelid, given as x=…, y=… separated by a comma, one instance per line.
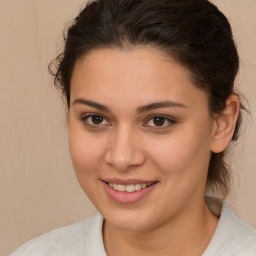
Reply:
x=171, y=119
x=88, y=115
x=168, y=118
x=147, y=118
x=92, y=114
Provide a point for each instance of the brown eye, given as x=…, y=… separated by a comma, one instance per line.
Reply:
x=97, y=119
x=158, y=121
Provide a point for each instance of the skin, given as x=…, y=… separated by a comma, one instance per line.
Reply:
x=173, y=218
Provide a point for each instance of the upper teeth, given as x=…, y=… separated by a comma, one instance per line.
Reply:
x=128, y=188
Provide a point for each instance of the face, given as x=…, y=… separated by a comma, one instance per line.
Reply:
x=140, y=136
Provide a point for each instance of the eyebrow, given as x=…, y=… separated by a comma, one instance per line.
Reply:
x=162, y=104
x=91, y=104
x=140, y=109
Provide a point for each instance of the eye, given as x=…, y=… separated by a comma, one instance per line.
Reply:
x=158, y=121
x=95, y=120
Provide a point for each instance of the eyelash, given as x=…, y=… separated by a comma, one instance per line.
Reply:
x=85, y=118
x=166, y=119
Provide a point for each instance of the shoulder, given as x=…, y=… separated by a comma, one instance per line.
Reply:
x=243, y=236
x=233, y=236
x=75, y=239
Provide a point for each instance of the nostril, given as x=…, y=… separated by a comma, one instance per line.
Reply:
x=123, y=153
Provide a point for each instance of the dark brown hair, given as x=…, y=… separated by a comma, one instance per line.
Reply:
x=193, y=32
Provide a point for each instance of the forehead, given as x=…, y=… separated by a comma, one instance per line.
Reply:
x=144, y=74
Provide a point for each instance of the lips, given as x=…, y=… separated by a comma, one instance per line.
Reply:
x=129, y=188
x=128, y=181
x=128, y=191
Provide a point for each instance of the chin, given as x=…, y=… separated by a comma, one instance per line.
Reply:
x=129, y=220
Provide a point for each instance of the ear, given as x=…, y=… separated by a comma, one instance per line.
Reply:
x=224, y=124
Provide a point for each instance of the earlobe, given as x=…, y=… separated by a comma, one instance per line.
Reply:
x=225, y=124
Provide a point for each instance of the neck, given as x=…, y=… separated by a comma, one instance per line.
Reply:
x=188, y=234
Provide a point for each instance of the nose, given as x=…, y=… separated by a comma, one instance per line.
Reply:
x=124, y=151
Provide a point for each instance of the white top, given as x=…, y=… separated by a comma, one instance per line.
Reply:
x=233, y=237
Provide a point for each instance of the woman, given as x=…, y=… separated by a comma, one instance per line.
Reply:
x=149, y=87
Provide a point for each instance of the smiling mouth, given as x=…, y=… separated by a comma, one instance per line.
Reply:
x=129, y=188
x=128, y=191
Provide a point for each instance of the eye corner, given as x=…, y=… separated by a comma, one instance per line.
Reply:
x=164, y=122
x=95, y=121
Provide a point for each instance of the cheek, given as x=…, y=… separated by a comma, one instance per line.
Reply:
x=86, y=151
x=185, y=152
x=182, y=163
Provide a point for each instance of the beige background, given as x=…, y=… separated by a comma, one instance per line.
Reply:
x=38, y=190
